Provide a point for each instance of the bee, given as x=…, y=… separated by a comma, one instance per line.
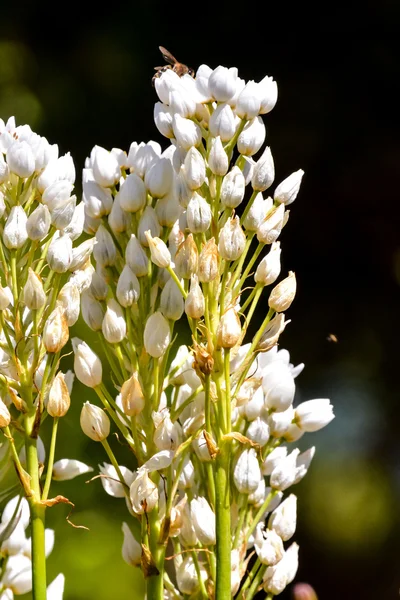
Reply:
x=332, y=338
x=179, y=68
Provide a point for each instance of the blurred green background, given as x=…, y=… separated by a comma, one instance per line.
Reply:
x=83, y=77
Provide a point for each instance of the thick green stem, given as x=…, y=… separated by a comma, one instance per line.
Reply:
x=223, y=525
x=37, y=511
x=155, y=583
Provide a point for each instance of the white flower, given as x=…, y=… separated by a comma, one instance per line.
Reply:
x=111, y=482
x=314, y=414
x=67, y=468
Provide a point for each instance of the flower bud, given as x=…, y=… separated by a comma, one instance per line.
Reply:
x=168, y=209
x=20, y=159
x=247, y=474
x=57, y=194
x=157, y=335
x=111, y=482
x=66, y=469
x=136, y=257
x=62, y=216
x=283, y=294
x=284, y=474
x=252, y=137
x=271, y=333
x=313, y=415
x=233, y=188
x=5, y=299
x=94, y=422
x=92, y=311
x=232, y=240
x=114, y=325
x=33, y=294
x=59, y=400
x=269, y=268
x=148, y=222
x=132, y=397
x=55, y=331
x=171, y=301
x=186, y=132
x=98, y=201
x=229, y=329
x=277, y=577
x=278, y=386
x=283, y=519
x=131, y=549
x=87, y=365
x=264, y=172
x=248, y=104
x=195, y=169
x=14, y=233
x=38, y=223
x=273, y=459
x=159, y=178
x=59, y=254
x=181, y=103
x=198, y=214
x=4, y=170
x=143, y=493
x=195, y=303
x=258, y=432
x=287, y=191
x=128, y=288
x=186, y=258
x=222, y=83
x=159, y=252
x=56, y=169
x=222, y=123
x=165, y=84
x=163, y=117
x=217, y=158
x=104, y=251
x=268, y=546
x=118, y=220
x=257, y=212
x=167, y=435
x=187, y=476
x=132, y=194
x=106, y=170
x=270, y=229
x=268, y=92
x=5, y=417
x=203, y=521
x=187, y=578
x=208, y=262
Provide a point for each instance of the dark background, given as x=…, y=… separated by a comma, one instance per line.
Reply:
x=82, y=76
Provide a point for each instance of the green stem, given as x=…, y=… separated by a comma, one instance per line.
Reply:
x=37, y=511
x=249, y=205
x=51, y=460
x=260, y=513
x=256, y=582
x=177, y=281
x=249, y=266
x=203, y=590
x=155, y=583
x=250, y=577
x=223, y=525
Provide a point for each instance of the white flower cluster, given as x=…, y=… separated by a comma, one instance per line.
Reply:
x=174, y=232
x=15, y=553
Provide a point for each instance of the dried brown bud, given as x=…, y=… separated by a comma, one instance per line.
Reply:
x=229, y=329
x=283, y=294
x=203, y=360
x=208, y=262
x=186, y=258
